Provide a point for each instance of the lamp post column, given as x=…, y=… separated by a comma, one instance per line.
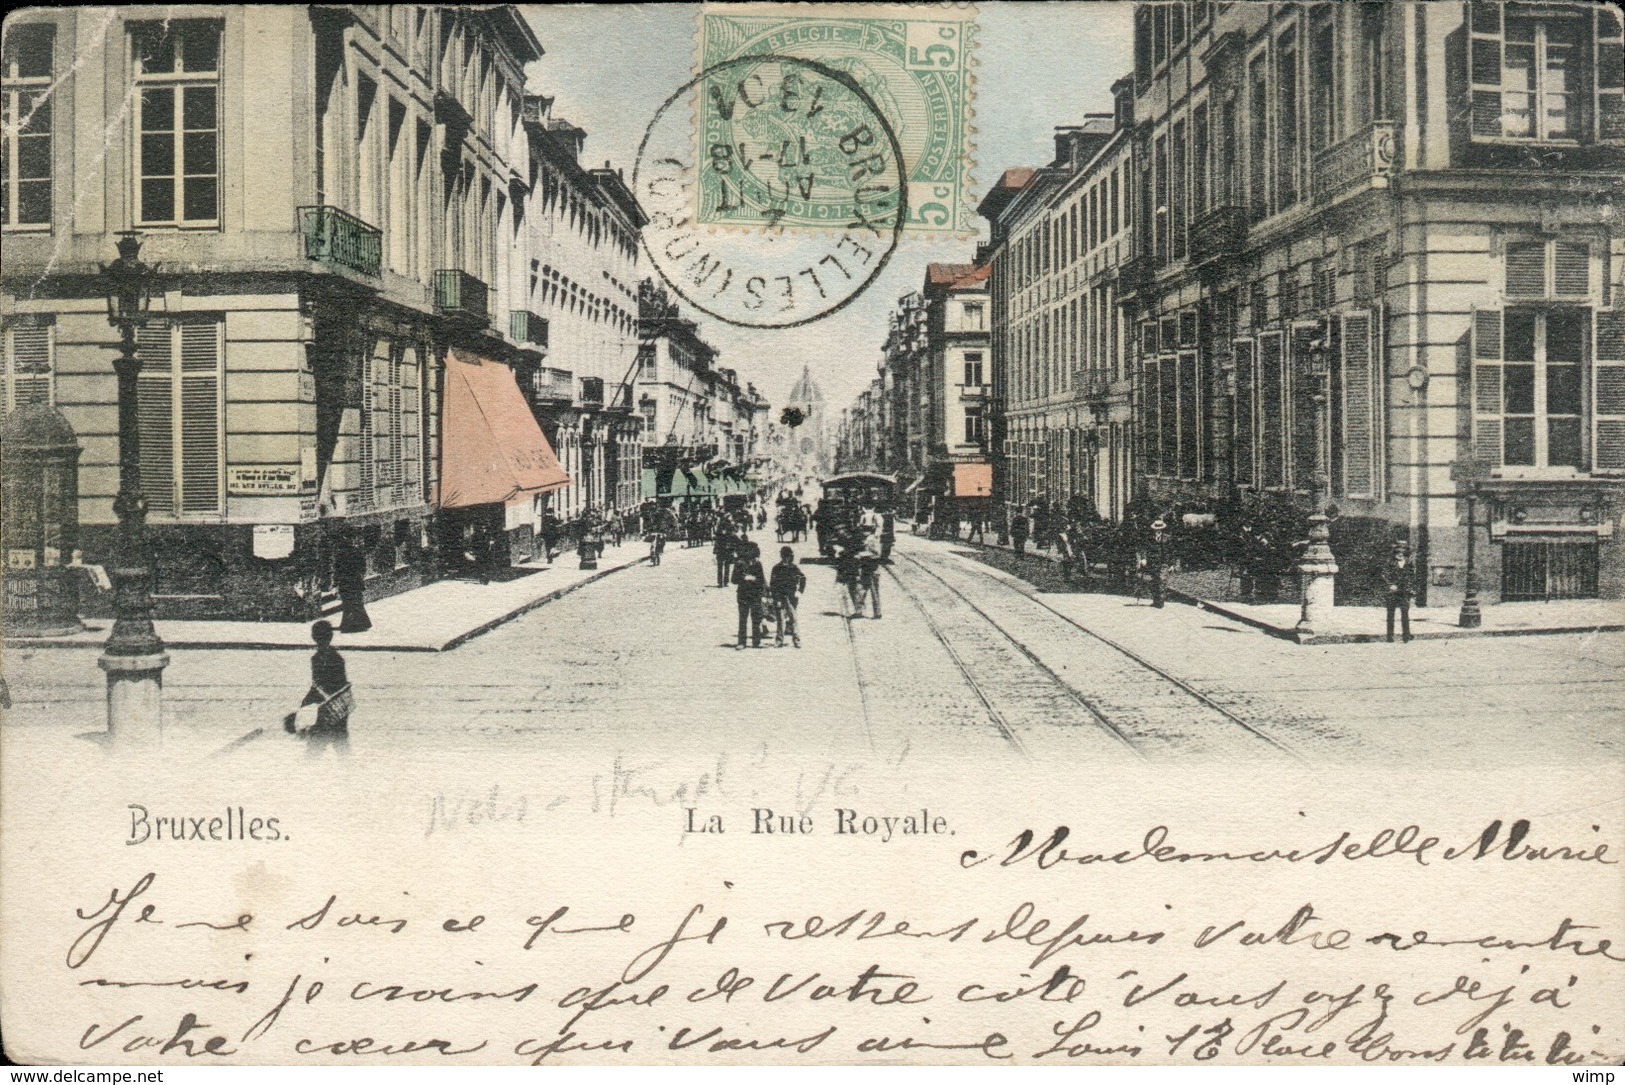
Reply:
x=1471, y=616
x=133, y=657
x=1317, y=568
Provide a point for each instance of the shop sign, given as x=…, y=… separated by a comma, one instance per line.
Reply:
x=272, y=542
x=262, y=481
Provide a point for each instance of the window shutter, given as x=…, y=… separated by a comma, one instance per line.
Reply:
x=1246, y=446
x=1486, y=387
x=1526, y=269
x=1608, y=393
x=29, y=371
x=1302, y=436
x=1271, y=409
x=1610, y=69
x=1360, y=399
x=1484, y=62
x=1571, y=268
x=155, y=406
x=200, y=416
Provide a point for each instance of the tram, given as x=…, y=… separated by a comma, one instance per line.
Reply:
x=844, y=497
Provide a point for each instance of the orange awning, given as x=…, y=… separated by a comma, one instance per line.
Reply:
x=973, y=480
x=492, y=450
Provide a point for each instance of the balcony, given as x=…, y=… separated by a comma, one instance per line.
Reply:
x=459, y=294
x=554, y=385
x=1367, y=157
x=528, y=329
x=1217, y=235
x=972, y=391
x=592, y=391
x=342, y=240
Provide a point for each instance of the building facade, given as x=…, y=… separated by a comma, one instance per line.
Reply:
x=953, y=381
x=331, y=194
x=1379, y=264
x=580, y=258
x=1060, y=235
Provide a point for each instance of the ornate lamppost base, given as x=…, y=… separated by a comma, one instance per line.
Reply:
x=135, y=698
x=1318, y=570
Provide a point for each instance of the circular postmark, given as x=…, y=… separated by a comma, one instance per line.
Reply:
x=763, y=138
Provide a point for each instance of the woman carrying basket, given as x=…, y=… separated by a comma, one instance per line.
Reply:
x=330, y=692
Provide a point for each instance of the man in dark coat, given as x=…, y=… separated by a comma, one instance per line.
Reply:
x=785, y=585
x=723, y=548
x=1400, y=581
x=751, y=581
x=350, y=578
x=1019, y=527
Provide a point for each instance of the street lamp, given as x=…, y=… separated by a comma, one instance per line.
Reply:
x=1317, y=568
x=133, y=656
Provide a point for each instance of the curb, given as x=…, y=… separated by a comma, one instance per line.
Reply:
x=261, y=646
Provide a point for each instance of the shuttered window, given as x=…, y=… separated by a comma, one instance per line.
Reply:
x=1548, y=269
x=1528, y=382
x=1271, y=411
x=1608, y=393
x=179, y=402
x=389, y=448
x=28, y=363
x=1545, y=73
x=1361, y=399
x=1246, y=465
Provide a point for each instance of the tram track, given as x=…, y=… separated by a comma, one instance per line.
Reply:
x=1143, y=718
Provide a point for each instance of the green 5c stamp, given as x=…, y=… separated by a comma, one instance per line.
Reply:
x=913, y=63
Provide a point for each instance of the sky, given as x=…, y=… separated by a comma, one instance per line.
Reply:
x=1039, y=65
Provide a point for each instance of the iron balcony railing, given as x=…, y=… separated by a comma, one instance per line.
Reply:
x=555, y=385
x=459, y=294
x=1220, y=233
x=1368, y=156
x=335, y=237
x=592, y=391
x=527, y=329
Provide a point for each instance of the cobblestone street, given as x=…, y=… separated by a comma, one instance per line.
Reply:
x=967, y=660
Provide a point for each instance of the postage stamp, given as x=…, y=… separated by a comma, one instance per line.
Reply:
x=914, y=62
x=788, y=138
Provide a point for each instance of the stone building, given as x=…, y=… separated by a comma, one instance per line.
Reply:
x=581, y=243
x=1379, y=265
x=333, y=195
x=1059, y=236
x=953, y=381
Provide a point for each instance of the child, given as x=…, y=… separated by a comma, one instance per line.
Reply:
x=329, y=688
x=785, y=585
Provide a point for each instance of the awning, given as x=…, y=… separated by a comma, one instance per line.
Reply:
x=492, y=449
x=973, y=480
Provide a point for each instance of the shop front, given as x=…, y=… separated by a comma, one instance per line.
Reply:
x=496, y=465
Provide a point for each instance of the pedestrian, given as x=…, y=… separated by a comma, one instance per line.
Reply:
x=751, y=582
x=722, y=548
x=978, y=521
x=550, y=534
x=785, y=586
x=1019, y=529
x=1158, y=556
x=330, y=692
x=1400, y=579
x=350, y=578
x=888, y=534
x=868, y=574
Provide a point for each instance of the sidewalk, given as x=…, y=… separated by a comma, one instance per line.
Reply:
x=434, y=618
x=1365, y=625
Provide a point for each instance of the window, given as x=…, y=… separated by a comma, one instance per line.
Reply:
x=1111, y=202
x=1246, y=442
x=1542, y=74
x=975, y=316
x=973, y=370
x=389, y=445
x=1542, y=269
x=1323, y=82
x=25, y=125
x=1528, y=387
x=27, y=375
x=178, y=400
x=1161, y=209
x=975, y=432
x=1258, y=139
x=177, y=74
x=1177, y=202
x=1360, y=415
x=1287, y=166
x=1374, y=61
x=1199, y=166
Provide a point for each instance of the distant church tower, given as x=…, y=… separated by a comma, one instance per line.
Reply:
x=810, y=453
